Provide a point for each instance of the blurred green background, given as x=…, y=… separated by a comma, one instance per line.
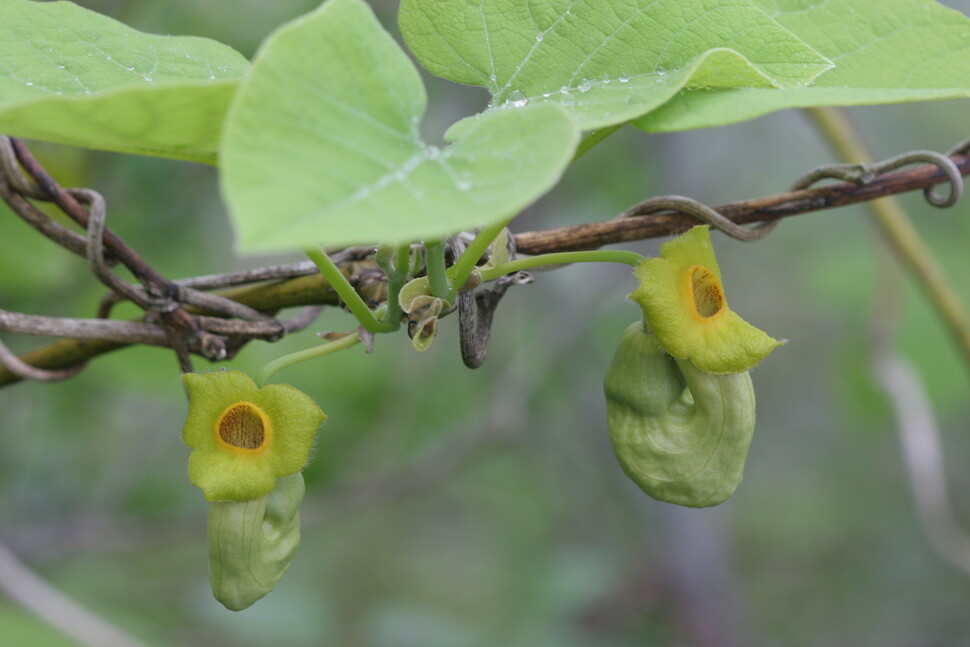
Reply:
x=454, y=507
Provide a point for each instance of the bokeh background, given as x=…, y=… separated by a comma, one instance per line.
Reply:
x=449, y=507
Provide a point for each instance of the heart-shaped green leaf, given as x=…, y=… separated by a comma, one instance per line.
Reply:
x=322, y=144
x=606, y=61
x=886, y=51
x=72, y=76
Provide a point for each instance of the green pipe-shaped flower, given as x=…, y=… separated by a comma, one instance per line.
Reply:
x=251, y=543
x=679, y=433
x=684, y=306
x=243, y=437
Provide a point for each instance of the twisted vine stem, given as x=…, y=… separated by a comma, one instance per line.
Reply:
x=182, y=316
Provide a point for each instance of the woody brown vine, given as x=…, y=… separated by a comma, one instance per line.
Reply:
x=184, y=316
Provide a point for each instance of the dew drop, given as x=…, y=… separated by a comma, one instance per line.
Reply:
x=539, y=37
x=661, y=71
x=585, y=86
x=29, y=82
x=517, y=99
x=464, y=185
x=567, y=99
x=432, y=152
x=624, y=78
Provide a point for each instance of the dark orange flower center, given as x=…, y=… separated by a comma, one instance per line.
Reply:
x=708, y=297
x=243, y=425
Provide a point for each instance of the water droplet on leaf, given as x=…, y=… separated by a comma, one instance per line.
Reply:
x=517, y=99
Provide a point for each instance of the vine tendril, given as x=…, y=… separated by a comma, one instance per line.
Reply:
x=702, y=212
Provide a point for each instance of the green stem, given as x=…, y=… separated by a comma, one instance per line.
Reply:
x=465, y=265
x=278, y=364
x=593, y=138
x=434, y=256
x=899, y=229
x=396, y=278
x=345, y=291
x=560, y=258
x=402, y=260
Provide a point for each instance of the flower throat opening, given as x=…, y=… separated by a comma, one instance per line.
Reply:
x=242, y=426
x=708, y=298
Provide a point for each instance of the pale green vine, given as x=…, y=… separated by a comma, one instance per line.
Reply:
x=899, y=230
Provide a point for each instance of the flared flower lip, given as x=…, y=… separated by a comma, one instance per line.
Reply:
x=683, y=303
x=288, y=420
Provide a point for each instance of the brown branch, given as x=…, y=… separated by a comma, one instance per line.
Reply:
x=314, y=290
x=129, y=332
x=311, y=290
x=596, y=234
x=69, y=205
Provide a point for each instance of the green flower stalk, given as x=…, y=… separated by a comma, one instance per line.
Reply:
x=683, y=304
x=243, y=437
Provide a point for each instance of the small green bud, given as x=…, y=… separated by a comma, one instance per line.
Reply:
x=423, y=310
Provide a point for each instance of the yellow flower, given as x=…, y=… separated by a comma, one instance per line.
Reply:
x=684, y=306
x=243, y=437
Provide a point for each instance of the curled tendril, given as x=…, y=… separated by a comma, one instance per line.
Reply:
x=866, y=173
x=702, y=212
x=22, y=369
x=960, y=148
